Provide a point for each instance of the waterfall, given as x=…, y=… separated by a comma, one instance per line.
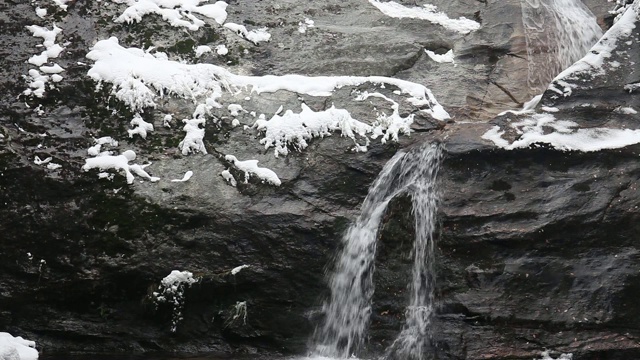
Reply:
x=349, y=307
x=557, y=33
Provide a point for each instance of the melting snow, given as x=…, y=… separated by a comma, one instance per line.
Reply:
x=250, y=167
x=427, y=12
x=564, y=135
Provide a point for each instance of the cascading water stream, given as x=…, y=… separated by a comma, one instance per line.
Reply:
x=557, y=33
x=349, y=307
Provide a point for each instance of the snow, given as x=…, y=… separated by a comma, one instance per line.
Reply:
x=545, y=356
x=53, y=166
x=291, y=129
x=202, y=49
x=593, y=62
x=177, y=278
x=37, y=81
x=97, y=148
x=62, y=3
x=222, y=50
x=234, y=109
x=626, y=110
x=427, y=12
x=228, y=177
x=138, y=77
x=41, y=12
x=16, y=348
x=255, y=36
x=140, y=127
x=186, y=177
x=251, y=168
x=178, y=13
x=564, y=135
x=39, y=161
x=444, y=58
x=304, y=25
x=236, y=270
x=171, y=290
x=632, y=87
x=119, y=163
x=527, y=108
x=166, y=121
x=192, y=141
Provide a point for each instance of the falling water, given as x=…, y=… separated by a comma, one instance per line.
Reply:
x=349, y=307
x=557, y=33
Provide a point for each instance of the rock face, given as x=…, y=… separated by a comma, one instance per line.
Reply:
x=536, y=248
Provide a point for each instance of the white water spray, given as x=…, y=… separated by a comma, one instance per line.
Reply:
x=349, y=307
x=557, y=33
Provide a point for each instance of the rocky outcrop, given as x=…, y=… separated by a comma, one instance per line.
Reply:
x=536, y=248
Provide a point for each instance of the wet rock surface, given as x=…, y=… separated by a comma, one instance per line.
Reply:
x=536, y=249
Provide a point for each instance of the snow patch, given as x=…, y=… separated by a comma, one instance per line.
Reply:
x=228, y=177
x=140, y=127
x=16, y=348
x=192, y=142
x=222, y=50
x=186, y=177
x=202, y=49
x=236, y=270
x=96, y=150
x=304, y=25
x=444, y=58
x=291, y=129
x=179, y=13
x=139, y=77
x=251, y=168
x=37, y=81
x=255, y=36
x=119, y=163
x=427, y=12
x=171, y=291
x=625, y=111
x=562, y=135
x=546, y=356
